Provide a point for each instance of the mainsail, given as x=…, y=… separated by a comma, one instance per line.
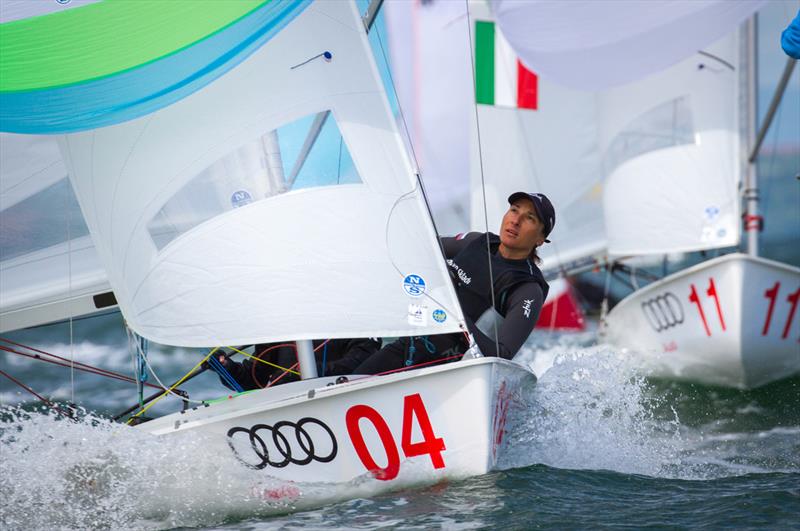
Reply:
x=203, y=243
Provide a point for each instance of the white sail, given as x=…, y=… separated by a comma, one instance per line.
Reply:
x=430, y=62
x=672, y=154
x=591, y=45
x=48, y=266
x=201, y=250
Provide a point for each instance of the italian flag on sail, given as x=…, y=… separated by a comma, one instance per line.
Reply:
x=500, y=78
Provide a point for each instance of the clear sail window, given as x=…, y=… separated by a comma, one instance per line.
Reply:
x=667, y=125
x=309, y=152
x=49, y=217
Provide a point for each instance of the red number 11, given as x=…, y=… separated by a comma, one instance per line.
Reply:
x=792, y=299
x=711, y=292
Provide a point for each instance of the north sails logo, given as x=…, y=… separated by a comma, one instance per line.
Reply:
x=462, y=275
x=526, y=307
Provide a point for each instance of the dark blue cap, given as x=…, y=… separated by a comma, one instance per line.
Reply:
x=544, y=209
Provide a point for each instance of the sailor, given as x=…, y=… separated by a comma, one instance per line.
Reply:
x=334, y=357
x=507, y=274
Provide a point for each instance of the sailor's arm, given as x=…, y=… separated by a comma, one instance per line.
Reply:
x=523, y=306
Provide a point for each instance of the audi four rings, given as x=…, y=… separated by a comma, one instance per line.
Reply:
x=663, y=311
x=281, y=443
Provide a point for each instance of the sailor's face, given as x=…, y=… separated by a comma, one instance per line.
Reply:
x=521, y=230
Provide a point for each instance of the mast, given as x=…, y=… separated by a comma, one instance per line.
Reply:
x=275, y=174
x=752, y=221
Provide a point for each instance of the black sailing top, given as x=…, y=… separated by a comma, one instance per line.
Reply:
x=519, y=290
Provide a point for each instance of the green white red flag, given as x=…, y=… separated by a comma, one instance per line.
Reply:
x=500, y=78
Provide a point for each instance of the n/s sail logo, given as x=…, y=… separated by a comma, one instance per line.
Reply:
x=240, y=198
x=414, y=285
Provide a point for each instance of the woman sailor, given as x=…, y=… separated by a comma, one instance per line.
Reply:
x=501, y=291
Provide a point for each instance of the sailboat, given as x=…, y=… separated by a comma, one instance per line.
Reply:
x=675, y=143
x=246, y=183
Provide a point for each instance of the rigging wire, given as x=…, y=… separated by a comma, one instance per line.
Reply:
x=69, y=292
x=483, y=181
x=172, y=388
x=169, y=391
x=34, y=393
x=65, y=363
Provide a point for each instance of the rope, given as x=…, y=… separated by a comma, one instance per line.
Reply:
x=176, y=384
x=439, y=360
x=256, y=358
x=287, y=371
x=324, y=358
x=220, y=369
x=164, y=387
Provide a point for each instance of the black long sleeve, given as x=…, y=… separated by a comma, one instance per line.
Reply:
x=523, y=305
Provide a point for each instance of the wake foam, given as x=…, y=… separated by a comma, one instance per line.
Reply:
x=592, y=409
x=93, y=473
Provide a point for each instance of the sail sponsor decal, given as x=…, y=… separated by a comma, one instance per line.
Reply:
x=414, y=285
x=283, y=443
x=417, y=315
x=240, y=198
x=500, y=78
x=439, y=315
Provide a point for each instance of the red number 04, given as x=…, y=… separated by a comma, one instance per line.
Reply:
x=412, y=406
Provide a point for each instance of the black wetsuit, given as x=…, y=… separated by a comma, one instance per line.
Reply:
x=519, y=293
x=341, y=356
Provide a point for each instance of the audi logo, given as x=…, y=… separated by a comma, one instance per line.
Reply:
x=663, y=311
x=311, y=443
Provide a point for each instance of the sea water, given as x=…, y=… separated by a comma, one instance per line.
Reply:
x=598, y=446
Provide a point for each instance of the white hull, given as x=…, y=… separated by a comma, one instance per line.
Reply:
x=730, y=321
x=423, y=425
